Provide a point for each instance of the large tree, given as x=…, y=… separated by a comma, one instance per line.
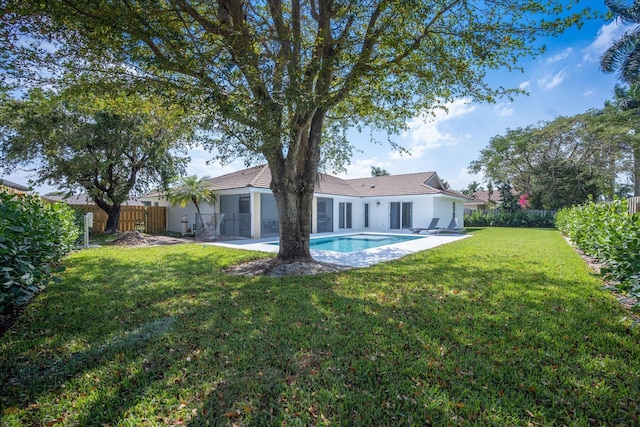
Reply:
x=556, y=163
x=282, y=80
x=107, y=146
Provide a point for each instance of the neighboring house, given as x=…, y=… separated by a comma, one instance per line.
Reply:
x=12, y=187
x=84, y=199
x=247, y=208
x=483, y=201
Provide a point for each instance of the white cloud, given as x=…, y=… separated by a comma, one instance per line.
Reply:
x=525, y=85
x=552, y=80
x=198, y=164
x=560, y=56
x=607, y=34
x=588, y=93
x=362, y=168
x=504, y=109
x=425, y=130
x=463, y=179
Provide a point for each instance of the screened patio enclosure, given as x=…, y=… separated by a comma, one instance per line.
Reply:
x=237, y=216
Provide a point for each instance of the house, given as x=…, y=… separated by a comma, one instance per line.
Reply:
x=12, y=187
x=482, y=200
x=84, y=199
x=246, y=207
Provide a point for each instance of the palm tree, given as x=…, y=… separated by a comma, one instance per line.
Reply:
x=624, y=54
x=378, y=171
x=193, y=189
x=472, y=189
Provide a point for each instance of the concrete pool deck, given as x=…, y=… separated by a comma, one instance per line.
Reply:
x=362, y=258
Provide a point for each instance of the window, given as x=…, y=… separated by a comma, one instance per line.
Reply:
x=325, y=215
x=366, y=215
x=400, y=215
x=344, y=215
x=454, y=210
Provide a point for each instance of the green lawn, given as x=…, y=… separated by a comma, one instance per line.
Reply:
x=507, y=327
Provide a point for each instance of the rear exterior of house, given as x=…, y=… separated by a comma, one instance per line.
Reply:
x=246, y=208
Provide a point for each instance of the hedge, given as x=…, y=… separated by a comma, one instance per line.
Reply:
x=34, y=236
x=499, y=218
x=609, y=233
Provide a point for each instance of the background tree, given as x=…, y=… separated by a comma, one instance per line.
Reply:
x=283, y=80
x=557, y=163
x=193, y=189
x=472, y=189
x=490, y=190
x=378, y=171
x=508, y=198
x=106, y=146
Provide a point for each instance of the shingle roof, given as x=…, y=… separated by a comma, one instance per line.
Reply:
x=257, y=176
x=390, y=185
x=13, y=185
x=483, y=195
x=395, y=185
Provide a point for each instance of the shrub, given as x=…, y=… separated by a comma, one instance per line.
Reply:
x=34, y=236
x=608, y=232
x=501, y=218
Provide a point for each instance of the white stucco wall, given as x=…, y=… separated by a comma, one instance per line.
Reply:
x=443, y=209
x=425, y=207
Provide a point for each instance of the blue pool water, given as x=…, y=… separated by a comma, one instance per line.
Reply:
x=355, y=242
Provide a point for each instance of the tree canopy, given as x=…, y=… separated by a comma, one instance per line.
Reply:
x=283, y=80
x=556, y=163
x=107, y=146
x=378, y=171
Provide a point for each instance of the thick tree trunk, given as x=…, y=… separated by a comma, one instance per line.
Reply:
x=113, y=219
x=293, y=182
x=294, y=200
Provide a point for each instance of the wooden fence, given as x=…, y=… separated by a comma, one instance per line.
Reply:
x=150, y=219
x=634, y=205
x=12, y=190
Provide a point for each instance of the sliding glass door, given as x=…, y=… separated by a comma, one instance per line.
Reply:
x=344, y=215
x=400, y=215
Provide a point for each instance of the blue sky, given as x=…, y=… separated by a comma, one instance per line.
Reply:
x=565, y=81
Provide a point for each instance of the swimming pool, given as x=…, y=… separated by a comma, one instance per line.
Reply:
x=355, y=242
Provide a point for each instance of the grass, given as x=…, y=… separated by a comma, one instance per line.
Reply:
x=505, y=328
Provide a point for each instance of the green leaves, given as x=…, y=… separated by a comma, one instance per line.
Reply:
x=607, y=232
x=105, y=144
x=30, y=251
x=557, y=163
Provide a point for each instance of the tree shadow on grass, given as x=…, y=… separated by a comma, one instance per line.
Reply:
x=421, y=340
